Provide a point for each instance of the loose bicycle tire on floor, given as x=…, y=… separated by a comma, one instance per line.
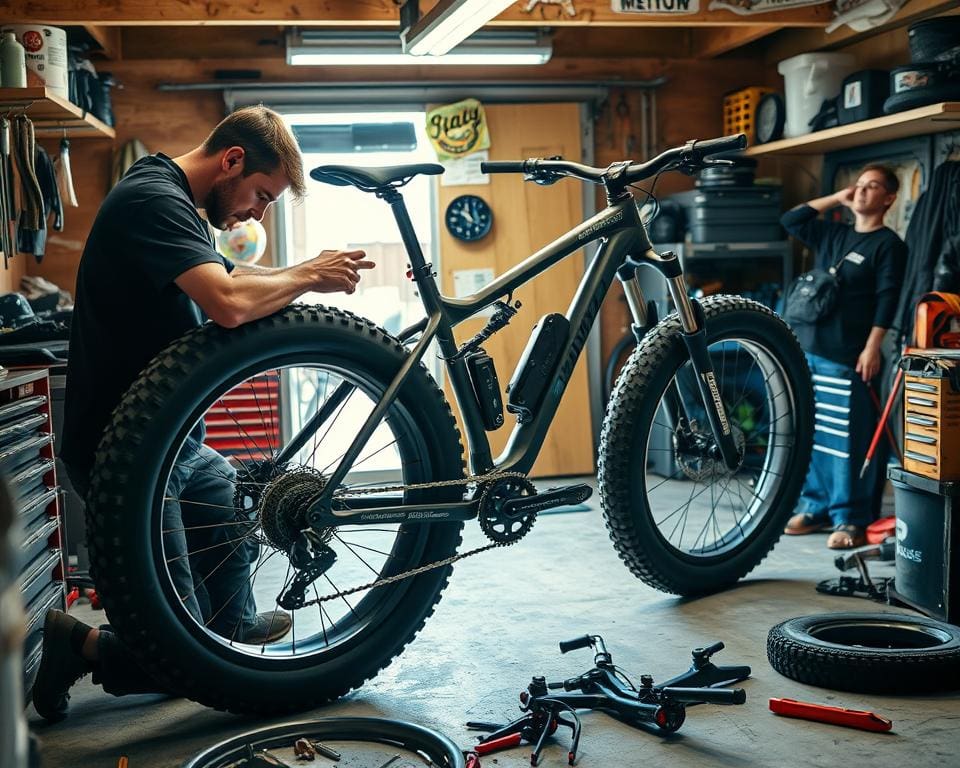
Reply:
x=867, y=652
x=395, y=734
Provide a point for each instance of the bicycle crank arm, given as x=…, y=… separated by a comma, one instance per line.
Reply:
x=373, y=511
x=553, y=497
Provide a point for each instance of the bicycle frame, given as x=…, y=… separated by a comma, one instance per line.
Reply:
x=624, y=243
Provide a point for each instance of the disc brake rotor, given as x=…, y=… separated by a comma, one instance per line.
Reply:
x=697, y=463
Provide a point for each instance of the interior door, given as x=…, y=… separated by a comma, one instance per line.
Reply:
x=525, y=218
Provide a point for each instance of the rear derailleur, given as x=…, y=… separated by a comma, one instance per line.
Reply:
x=607, y=689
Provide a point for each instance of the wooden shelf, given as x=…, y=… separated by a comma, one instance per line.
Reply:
x=933, y=118
x=50, y=111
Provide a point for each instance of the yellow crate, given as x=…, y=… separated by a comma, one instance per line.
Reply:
x=740, y=109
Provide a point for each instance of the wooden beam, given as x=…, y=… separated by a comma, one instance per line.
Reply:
x=108, y=38
x=374, y=13
x=710, y=43
x=268, y=42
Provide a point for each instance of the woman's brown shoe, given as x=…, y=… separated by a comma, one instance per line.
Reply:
x=802, y=523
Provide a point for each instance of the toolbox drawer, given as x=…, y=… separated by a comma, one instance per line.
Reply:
x=931, y=417
x=35, y=505
x=38, y=574
x=36, y=611
x=19, y=407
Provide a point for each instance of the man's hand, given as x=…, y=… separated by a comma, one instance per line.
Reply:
x=334, y=271
x=845, y=196
x=868, y=364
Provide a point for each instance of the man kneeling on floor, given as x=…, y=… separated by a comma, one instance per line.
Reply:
x=149, y=273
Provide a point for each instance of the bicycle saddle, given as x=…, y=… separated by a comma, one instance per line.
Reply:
x=369, y=179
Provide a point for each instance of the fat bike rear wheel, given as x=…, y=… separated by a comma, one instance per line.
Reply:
x=229, y=401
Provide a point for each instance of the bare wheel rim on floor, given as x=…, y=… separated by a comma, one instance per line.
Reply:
x=360, y=741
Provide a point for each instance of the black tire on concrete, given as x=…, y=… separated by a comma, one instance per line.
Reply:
x=867, y=652
x=627, y=426
x=126, y=494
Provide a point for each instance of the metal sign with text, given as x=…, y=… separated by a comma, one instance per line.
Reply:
x=676, y=7
x=458, y=129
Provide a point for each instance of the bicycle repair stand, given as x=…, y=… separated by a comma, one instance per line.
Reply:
x=606, y=688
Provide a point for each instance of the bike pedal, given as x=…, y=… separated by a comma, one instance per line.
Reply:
x=552, y=497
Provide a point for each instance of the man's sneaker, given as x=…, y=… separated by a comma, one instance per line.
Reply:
x=267, y=628
x=61, y=664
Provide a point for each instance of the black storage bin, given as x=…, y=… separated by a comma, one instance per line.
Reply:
x=927, y=578
x=862, y=95
x=733, y=214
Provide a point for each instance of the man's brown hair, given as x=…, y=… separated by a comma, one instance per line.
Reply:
x=267, y=143
x=890, y=180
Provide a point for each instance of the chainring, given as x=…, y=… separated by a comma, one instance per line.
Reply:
x=498, y=526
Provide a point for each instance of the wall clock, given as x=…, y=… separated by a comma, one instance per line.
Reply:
x=468, y=218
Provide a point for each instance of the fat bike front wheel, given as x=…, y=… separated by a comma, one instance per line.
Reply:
x=680, y=519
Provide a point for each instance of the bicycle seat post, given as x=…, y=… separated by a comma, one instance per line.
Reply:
x=407, y=234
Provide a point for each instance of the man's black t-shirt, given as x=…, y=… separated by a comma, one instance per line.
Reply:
x=128, y=308
x=871, y=266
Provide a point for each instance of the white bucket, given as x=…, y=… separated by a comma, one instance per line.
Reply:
x=809, y=79
x=46, y=51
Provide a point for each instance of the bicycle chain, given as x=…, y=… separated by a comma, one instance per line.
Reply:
x=472, y=479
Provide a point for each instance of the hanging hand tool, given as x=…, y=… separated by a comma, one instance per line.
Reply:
x=31, y=217
x=6, y=192
x=65, y=173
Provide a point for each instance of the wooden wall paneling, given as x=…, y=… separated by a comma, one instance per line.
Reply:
x=527, y=217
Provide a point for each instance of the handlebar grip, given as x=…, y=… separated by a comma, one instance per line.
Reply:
x=580, y=642
x=723, y=144
x=501, y=166
x=707, y=695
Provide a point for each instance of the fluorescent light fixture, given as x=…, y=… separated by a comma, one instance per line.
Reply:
x=448, y=24
x=321, y=47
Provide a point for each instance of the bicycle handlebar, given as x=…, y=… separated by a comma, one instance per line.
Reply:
x=688, y=159
x=571, y=645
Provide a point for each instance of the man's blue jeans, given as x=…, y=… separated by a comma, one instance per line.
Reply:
x=199, y=517
x=844, y=424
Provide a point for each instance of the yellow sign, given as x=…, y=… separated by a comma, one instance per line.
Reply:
x=458, y=129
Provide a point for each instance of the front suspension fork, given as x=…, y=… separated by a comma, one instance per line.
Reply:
x=693, y=322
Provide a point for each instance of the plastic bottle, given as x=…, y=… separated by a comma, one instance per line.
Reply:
x=13, y=62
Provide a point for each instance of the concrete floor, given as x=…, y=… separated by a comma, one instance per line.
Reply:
x=499, y=623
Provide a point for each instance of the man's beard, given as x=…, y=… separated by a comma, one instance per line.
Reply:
x=219, y=201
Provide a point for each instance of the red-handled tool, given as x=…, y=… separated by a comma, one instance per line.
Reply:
x=493, y=745
x=852, y=718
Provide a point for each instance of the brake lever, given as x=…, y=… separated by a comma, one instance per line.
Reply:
x=543, y=178
x=718, y=162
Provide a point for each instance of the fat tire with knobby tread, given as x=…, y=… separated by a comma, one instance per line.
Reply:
x=120, y=511
x=628, y=520
x=795, y=653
